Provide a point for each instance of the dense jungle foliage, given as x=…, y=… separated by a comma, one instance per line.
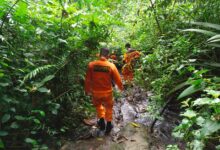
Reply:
x=45, y=46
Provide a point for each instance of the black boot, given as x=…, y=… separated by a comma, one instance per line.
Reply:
x=101, y=124
x=109, y=127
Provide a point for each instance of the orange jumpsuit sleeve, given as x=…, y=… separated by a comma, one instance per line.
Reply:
x=116, y=77
x=88, y=80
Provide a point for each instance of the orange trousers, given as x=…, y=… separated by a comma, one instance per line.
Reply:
x=127, y=73
x=103, y=103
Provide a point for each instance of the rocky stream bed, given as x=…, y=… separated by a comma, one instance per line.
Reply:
x=131, y=129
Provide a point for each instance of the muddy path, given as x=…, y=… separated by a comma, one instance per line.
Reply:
x=131, y=127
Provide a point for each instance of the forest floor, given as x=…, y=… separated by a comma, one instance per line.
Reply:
x=131, y=127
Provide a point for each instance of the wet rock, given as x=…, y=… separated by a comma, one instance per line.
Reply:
x=128, y=112
x=138, y=96
x=115, y=130
x=144, y=119
x=130, y=99
x=137, y=138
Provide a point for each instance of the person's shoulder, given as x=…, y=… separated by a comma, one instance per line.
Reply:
x=135, y=52
x=112, y=65
x=109, y=63
x=92, y=62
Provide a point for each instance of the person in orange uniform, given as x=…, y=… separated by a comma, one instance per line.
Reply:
x=129, y=57
x=98, y=83
x=113, y=56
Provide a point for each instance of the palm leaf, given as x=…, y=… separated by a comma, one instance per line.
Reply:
x=200, y=31
x=181, y=85
x=214, y=37
x=206, y=24
x=214, y=45
x=211, y=64
x=214, y=41
x=190, y=90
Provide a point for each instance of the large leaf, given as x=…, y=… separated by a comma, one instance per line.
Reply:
x=5, y=118
x=213, y=64
x=190, y=90
x=214, y=41
x=214, y=93
x=197, y=145
x=42, y=113
x=14, y=125
x=200, y=121
x=214, y=37
x=179, y=86
x=216, y=101
x=18, y=117
x=210, y=64
x=216, y=79
x=3, y=133
x=202, y=101
x=43, y=90
x=46, y=79
x=214, y=45
x=189, y=113
x=3, y=7
x=200, y=31
x=31, y=141
x=21, y=11
x=210, y=127
x=206, y=24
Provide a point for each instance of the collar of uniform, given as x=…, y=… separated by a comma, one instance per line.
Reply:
x=103, y=58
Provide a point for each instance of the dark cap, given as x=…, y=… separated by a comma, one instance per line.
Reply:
x=127, y=45
x=104, y=52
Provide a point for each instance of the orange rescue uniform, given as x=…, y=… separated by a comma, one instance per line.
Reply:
x=98, y=82
x=113, y=56
x=127, y=69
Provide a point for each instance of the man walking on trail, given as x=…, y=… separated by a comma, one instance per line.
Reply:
x=129, y=59
x=98, y=83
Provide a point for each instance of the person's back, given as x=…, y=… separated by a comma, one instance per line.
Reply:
x=98, y=84
x=131, y=55
x=129, y=59
x=102, y=73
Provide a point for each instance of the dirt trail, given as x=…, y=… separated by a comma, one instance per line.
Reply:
x=131, y=124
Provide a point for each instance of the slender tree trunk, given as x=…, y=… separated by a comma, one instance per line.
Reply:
x=5, y=16
x=156, y=18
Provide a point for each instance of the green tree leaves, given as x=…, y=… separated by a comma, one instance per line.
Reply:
x=21, y=11
x=5, y=118
x=2, y=144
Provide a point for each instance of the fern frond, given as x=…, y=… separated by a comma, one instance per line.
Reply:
x=214, y=37
x=206, y=24
x=62, y=61
x=201, y=31
x=36, y=71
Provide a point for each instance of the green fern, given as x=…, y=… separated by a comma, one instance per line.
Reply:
x=36, y=71
x=62, y=61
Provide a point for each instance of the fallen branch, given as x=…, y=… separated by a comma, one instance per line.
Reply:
x=161, y=112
